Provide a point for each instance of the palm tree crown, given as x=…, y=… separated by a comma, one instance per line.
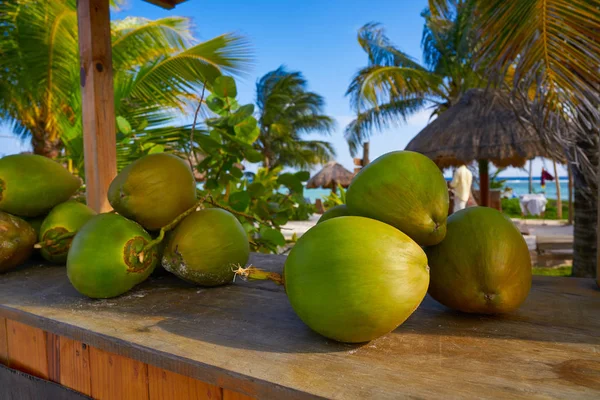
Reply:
x=158, y=68
x=287, y=110
x=393, y=86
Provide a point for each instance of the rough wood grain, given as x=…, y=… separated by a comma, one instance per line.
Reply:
x=27, y=349
x=53, y=354
x=99, y=126
x=75, y=365
x=246, y=338
x=3, y=342
x=166, y=385
x=115, y=377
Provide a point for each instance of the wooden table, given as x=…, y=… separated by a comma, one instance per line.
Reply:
x=168, y=339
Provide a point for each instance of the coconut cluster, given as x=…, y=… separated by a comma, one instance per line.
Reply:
x=355, y=276
x=108, y=254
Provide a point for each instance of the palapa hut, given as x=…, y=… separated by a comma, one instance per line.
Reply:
x=482, y=126
x=330, y=176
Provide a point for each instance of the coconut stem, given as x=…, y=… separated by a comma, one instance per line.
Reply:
x=47, y=243
x=199, y=205
x=213, y=202
x=253, y=273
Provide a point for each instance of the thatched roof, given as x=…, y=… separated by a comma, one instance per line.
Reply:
x=330, y=176
x=481, y=126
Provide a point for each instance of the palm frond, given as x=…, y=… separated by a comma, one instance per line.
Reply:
x=287, y=110
x=137, y=40
x=554, y=41
x=380, y=50
x=380, y=117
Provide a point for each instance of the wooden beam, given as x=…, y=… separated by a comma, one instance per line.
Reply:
x=484, y=183
x=99, y=136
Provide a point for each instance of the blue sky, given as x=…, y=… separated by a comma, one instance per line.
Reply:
x=315, y=37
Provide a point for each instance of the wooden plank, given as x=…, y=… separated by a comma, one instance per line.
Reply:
x=75, y=365
x=117, y=377
x=231, y=395
x=27, y=349
x=17, y=385
x=3, y=342
x=99, y=124
x=53, y=352
x=246, y=338
x=165, y=385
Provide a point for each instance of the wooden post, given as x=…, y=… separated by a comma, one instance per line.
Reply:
x=99, y=136
x=365, y=159
x=559, y=214
x=484, y=183
x=531, y=176
x=570, y=173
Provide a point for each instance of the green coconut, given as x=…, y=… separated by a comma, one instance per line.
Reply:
x=406, y=190
x=30, y=185
x=17, y=238
x=354, y=279
x=153, y=190
x=206, y=247
x=482, y=266
x=106, y=258
x=59, y=227
x=337, y=211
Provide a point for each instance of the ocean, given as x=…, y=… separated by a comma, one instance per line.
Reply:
x=519, y=185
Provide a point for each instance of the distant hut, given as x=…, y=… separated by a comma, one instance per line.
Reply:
x=330, y=176
x=482, y=126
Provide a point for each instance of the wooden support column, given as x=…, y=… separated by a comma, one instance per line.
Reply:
x=484, y=183
x=99, y=136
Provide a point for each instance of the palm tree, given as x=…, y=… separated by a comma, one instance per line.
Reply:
x=555, y=46
x=287, y=110
x=393, y=86
x=158, y=70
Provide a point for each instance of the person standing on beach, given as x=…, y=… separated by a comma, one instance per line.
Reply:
x=461, y=186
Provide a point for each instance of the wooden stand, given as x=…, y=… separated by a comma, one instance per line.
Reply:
x=168, y=339
x=99, y=125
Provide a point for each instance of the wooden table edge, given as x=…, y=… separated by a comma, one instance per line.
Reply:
x=194, y=369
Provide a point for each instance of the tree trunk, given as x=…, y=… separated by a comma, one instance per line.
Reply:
x=585, y=242
x=558, y=199
x=43, y=146
x=570, y=171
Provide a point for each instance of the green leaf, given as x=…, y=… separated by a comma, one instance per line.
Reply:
x=211, y=184
x=253, y=156
x=159, y=148
x=215, y=104
x=247, y=130
x=281, y=219
x=224, y=86
x=207, y=143
x=217, y=122
x=123, y=125
x=256, y=189
x=142, y=125
x=236, y=172
x=290, y=181
x=241, y=114
x=239, y=201
x=303, y=176
x=272, y=235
